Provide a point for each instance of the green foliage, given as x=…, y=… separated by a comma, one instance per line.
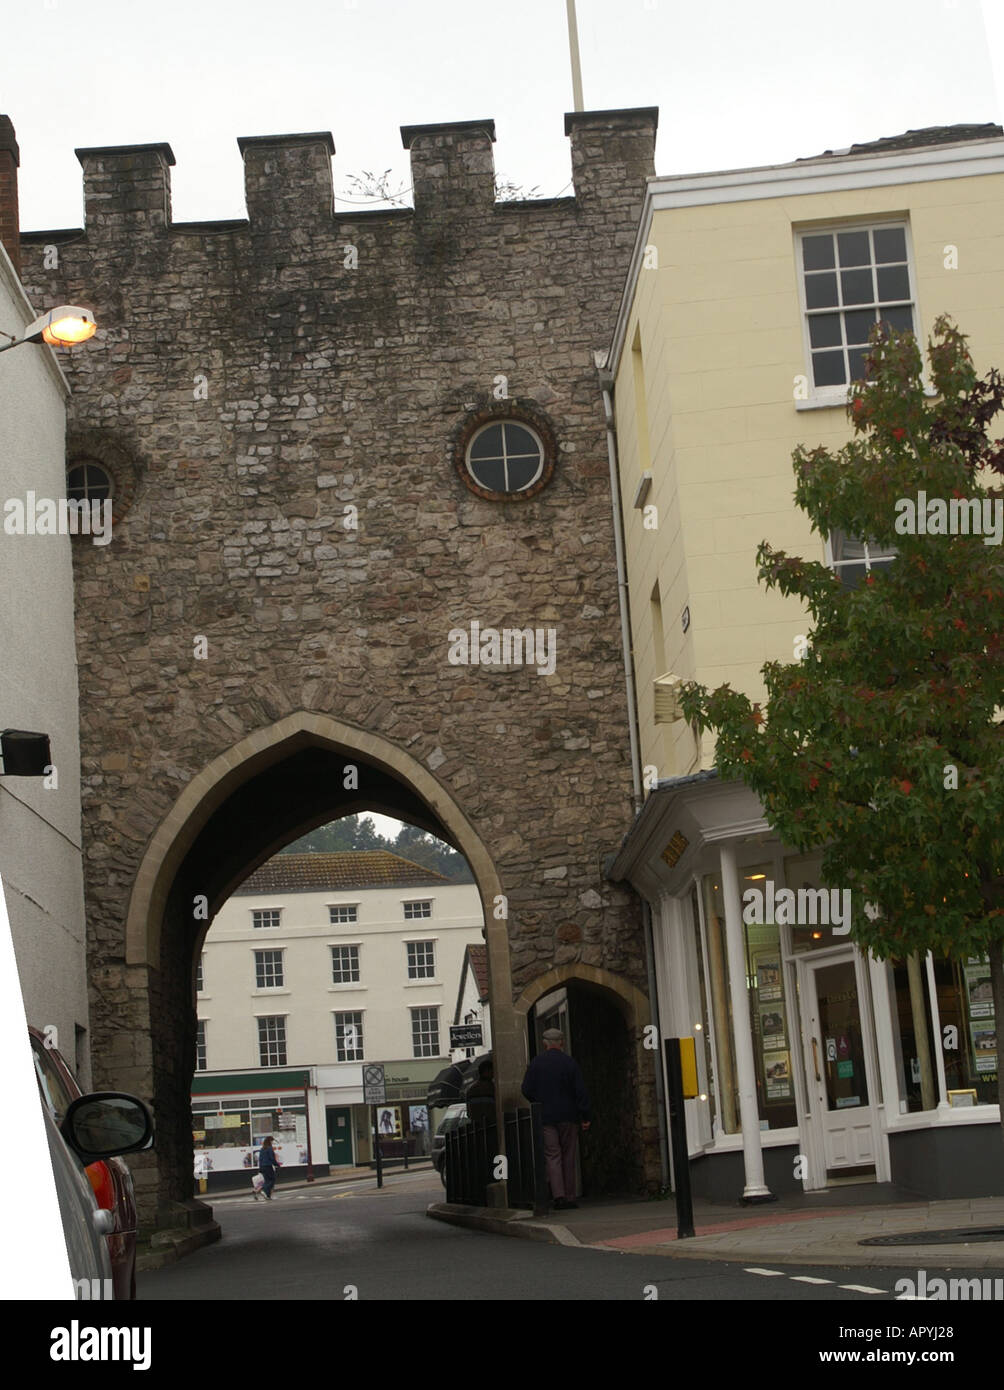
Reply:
x=900, y=693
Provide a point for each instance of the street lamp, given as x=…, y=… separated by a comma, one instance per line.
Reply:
x=65, y=326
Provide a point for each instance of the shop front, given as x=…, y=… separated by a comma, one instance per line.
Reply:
x=819, y=1065
x=231, y=1115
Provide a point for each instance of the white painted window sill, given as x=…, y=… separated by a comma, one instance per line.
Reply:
x=945, y=1115
x=829, y=402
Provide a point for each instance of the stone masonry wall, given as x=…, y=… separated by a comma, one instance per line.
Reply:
x=251, y=380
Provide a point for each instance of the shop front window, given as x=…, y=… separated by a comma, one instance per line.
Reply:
x=703, y=1040
x=227, y=1134
x=914, y=1036
x=968, y=1029
x=227, y=1128
x=772, y=1040
x=765, y=983
x=727, y=1090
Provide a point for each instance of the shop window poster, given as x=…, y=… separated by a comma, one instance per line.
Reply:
x=982, y=1024
x=773, y=1028
x=768, y=978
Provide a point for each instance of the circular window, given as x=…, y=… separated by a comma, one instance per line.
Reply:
x=505, y=451
x=505, y=456
x=87, y=481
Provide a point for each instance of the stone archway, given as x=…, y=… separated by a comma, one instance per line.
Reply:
x=607, y=1020
x=248, y=802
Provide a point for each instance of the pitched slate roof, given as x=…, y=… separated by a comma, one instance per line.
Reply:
x=337, y=872
x=917, y=139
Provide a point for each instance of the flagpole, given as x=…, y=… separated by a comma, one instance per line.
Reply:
x=573, y=45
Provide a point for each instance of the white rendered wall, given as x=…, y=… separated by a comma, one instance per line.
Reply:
x=230, y=1003
x=40, y=854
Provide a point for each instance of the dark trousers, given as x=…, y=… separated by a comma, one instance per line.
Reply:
x=269, y=1174
x=560, y=1143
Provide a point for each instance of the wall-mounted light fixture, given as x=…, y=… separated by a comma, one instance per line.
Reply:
x=24, y=754
x=65, y=326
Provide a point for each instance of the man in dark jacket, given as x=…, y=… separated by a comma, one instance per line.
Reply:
x=555, y=1080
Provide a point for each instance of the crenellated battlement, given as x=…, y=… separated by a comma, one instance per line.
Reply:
x=289, y=186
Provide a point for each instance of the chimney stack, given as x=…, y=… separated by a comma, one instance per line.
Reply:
x=10, y=226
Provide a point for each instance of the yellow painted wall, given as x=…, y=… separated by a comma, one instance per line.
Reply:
x=719, y=329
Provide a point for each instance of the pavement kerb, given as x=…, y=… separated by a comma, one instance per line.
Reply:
x=875, y=1257
x=222, y=1193
x=502, y=1221
x=830, y=1250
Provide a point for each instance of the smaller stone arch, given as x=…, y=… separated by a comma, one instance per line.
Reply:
x=608, y=1018
x=634, y=1004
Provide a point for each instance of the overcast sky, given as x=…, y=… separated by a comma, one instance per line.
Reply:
x=736, y=83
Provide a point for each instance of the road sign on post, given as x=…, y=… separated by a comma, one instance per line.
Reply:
x=374, y=1084
x=466, y=1035
x=375, y=1093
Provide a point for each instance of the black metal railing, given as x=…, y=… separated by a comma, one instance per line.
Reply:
x=472, y=1153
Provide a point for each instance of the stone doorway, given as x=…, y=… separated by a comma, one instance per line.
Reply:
x=603, y=1020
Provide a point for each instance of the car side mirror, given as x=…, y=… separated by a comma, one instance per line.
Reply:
x=105, y=1124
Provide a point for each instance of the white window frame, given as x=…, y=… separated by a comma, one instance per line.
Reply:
x=278, y=1018
x=361, y=1025
x=356, y=946
x=427, y=1009
x=200, y=974
x=201, y=1049
x=881, y=561
x=279, y=984
x=409, y=946
x=343, y=907
x=417, y=902
x=262, y=926
x=839, y=395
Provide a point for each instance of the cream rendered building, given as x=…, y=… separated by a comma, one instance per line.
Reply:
x=745, y=315
x=317, y=965
x=40, y=843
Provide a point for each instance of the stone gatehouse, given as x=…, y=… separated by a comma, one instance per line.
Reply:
x=335, y=440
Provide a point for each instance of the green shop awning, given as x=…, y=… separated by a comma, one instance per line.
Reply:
x=248, y=1082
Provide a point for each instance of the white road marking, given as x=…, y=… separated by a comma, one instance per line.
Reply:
x=812, y=1279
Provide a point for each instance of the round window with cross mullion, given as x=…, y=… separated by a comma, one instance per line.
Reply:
x=87, y=481
x=505, y=456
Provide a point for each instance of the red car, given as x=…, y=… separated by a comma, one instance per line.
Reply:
x=110, y=1178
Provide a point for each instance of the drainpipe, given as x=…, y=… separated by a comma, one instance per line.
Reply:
x=606, y=384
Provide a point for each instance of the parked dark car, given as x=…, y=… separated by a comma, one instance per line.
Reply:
x=455, y=1115
x=109, y=1177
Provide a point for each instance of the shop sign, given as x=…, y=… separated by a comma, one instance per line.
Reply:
x=673, y=851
